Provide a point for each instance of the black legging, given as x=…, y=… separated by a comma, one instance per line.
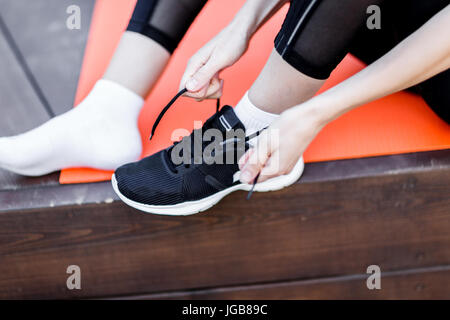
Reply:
x=165, y=21
x=316, y=34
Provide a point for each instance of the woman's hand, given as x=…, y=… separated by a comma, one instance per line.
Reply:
x=201, y=77
x=280, y=146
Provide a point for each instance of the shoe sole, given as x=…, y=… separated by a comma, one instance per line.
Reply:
x=193, y=207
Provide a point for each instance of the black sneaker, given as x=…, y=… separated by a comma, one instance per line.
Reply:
x=161, y=185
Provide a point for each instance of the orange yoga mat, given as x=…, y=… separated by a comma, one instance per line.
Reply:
x=399, y=123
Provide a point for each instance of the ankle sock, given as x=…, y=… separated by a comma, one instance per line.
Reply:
x=253, y=118
x=101, y=132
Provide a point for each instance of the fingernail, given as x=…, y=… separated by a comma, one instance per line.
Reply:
x=191, y=85
x=246, y=177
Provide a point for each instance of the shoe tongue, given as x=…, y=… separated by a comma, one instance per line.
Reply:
x=227, y=119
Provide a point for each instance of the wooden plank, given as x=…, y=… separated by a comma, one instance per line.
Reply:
x=373, y=166
x=311, y=230
x=55, y=195
x=52, y=52
x=21, y=108
x=426, y=283
x=51, y=194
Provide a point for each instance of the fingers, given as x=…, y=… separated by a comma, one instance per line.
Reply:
x=275, y=167
x=217, y=94
x=211, y=91
x=205, y=82
x=215, y=89
x=256, y=160
x=201, y=78
x=243, y=160
x=272, y=168
x=194, y=64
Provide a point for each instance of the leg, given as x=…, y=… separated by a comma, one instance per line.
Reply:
x=101, y=132
x=314, y=38
x=280, y=86
x=155, y=30
x=137, y=63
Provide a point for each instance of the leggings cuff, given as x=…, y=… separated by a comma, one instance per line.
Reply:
x=160, y=37
x=296, y=61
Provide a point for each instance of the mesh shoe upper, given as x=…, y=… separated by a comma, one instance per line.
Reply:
x=156, y=180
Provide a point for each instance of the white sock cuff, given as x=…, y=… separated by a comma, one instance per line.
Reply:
x=106, y=90
x=251, y=116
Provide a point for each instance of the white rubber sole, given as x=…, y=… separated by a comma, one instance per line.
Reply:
x=193, y=207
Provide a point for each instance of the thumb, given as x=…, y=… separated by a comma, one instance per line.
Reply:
x=201, y=78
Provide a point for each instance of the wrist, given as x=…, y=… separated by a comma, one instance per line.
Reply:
x=312, y=112
x=323, y=109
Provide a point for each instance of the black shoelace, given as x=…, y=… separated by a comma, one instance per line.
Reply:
x=167, y=107
x=174, y=99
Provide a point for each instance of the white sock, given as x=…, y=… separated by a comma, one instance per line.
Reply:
x=101, y=132
x=253, y=118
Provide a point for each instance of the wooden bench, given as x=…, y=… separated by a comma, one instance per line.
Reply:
x=312, y=240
